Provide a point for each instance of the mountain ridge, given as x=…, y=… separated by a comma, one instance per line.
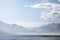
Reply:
x=48, y=28
x=20, y=30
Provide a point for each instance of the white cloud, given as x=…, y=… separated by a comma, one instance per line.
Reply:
x=54, y=10
x=31, y=24
x=44, y=5
x=58, y=0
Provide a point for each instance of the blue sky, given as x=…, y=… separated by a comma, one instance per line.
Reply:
x=19, y=12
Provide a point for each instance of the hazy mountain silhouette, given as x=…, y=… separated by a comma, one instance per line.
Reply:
x=11, y=29
x=53, y=27
x=6, y=29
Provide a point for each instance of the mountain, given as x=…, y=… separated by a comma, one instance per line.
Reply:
x=53, y=27
x=11, y=29
x=6, y=29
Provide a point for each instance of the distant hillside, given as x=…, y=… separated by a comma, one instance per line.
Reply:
x=6, y=29
x=11, y=29
x=54, y=27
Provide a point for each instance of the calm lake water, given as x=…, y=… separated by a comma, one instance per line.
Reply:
x=30, y=37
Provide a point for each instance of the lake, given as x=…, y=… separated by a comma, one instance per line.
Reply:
x=31, y=37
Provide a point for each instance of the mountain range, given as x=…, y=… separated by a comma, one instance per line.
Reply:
x=6, y=29
x=48, y=28
x=11, y=29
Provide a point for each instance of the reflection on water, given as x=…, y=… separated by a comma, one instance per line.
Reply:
x=32, y=37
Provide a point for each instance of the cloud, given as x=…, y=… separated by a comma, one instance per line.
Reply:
x=44, y=5
x=58, y=0
x=53, y=10
x=31, y=24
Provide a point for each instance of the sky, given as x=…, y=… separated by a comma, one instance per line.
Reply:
x=29, y=13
